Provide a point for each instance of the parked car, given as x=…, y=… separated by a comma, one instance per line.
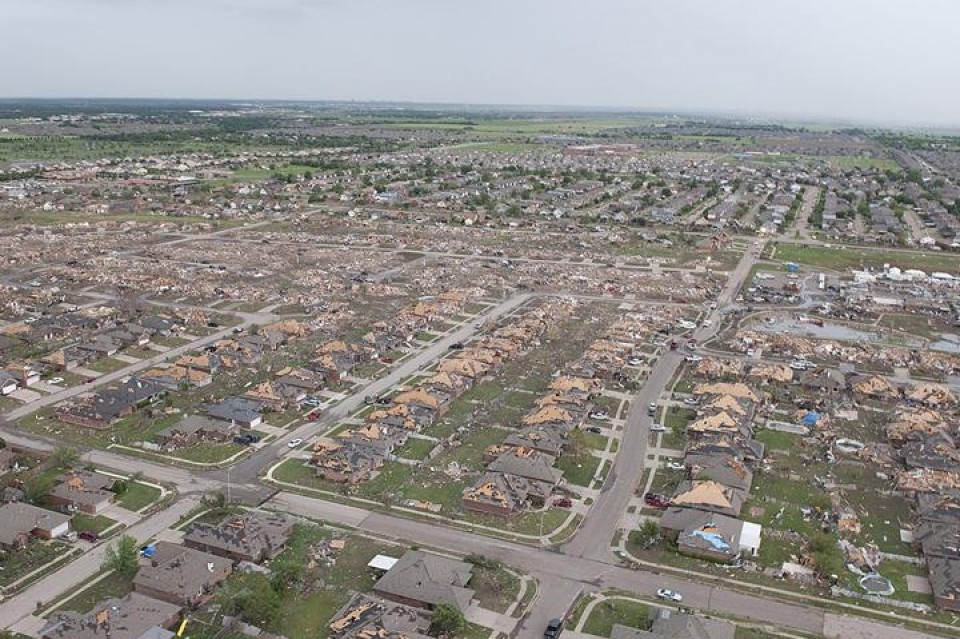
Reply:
x=387, y=360
x=634, y=361
x=593, y=429
x=656, y=500
x=456, y=346
x=383, y=401
x=563, y=502
x=599, y=414
x=554, y=628
x=691, y=401
x=70, y=536
x=652, y=408
x=88, y=535
x=293, y=443
x=675, y=466
x=369, y=399
x=657, y=428
x=314, y=415
x=670, y=595
x=56, y=380
x=693, y=358
x=246, y=439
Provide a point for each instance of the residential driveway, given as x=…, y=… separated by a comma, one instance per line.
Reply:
x=47, y=387
x=124, y=516
x=25, y=395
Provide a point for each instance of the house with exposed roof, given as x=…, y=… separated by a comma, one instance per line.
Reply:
x=877, y=388
x=738, y=390
x=424, y=580
x=181, y=575
x=346, y=463
x=724, y=469
x=550, y=416
x=370, y=617
x=707, y=535
x=192, y=430
x=135, y=616
x=250, y=537
x=528, y=463
x=503, y=494
x=710, y=496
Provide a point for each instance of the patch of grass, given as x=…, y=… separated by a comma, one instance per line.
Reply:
x=209, y=452
x=616, y=611
x=579, y=468
x=307, y=614
x=415, y=449
x=96, y=523
x=838, y=258
x=137, y=496
x=108, y=365
x=495, y=588
x=113, y=585
x=776, y=440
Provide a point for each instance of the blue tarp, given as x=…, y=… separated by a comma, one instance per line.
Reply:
x=149, y=550
x=811, y=419
x=715, y=540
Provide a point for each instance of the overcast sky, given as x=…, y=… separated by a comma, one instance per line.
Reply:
x=895, y=61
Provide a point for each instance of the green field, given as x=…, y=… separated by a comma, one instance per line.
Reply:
x=842, y=258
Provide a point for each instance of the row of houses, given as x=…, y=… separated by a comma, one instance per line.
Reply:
x=925, y=439
x=355, y=454
x=520, y=472
x=719, y=461
x=174, y=578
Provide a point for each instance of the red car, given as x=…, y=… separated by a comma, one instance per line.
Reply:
x=656, y=500
x=386, y=360
x=88, y=535
x=563, y=502
x=313, y=415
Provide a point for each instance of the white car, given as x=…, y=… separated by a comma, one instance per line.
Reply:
x=707, y=322
x=56, y=380
x=293, y=443
x=657, y=428
x=670, y=595
x=675, y=466
x=691, y=401
x=693, y=358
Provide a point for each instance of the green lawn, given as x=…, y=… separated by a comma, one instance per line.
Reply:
x=307, y=615
x=96, y=523
x=580, y=468
x=14, y=565
x=113, y=585
x=848, y=258
x=138, y=496
x=108, y=365
x=495, y=588
x=776, y=440
x=209, y=452
x=415, y=449
x=616, y=611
